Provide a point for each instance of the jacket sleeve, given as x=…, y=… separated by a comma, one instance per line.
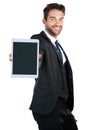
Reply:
x=41, y=48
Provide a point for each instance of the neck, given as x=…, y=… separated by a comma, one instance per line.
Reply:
x=49, y=35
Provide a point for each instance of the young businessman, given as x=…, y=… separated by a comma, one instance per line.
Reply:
x=53, y=99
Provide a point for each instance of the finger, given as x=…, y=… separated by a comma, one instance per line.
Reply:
x=10, y=59
x=40, y=56
x=10, y=55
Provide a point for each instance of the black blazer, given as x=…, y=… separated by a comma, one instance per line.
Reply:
x=46, y=87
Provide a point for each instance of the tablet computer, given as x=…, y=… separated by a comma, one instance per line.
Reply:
x=25, y=57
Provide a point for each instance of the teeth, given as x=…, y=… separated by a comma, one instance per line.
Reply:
x=56, y=28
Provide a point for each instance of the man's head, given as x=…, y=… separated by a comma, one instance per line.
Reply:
x=53, y=18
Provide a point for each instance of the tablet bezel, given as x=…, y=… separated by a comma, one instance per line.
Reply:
x=33, y=41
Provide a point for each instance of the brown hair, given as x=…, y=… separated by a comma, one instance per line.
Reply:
x=53, y=6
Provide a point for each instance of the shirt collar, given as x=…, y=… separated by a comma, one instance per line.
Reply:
x=53, y=41
x=50, y=37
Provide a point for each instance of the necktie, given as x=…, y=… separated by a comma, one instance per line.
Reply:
x=59, y=51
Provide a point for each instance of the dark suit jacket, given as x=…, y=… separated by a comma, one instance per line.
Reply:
x=46, y=90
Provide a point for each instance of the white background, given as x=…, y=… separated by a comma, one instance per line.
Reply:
x=21, y=19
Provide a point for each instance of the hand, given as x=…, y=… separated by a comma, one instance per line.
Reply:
x=10, y=57
x=39, y=56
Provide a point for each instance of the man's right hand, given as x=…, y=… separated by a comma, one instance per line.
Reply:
x=10, y=57
x=40, y=56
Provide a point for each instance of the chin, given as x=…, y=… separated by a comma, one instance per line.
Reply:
x=58, y=33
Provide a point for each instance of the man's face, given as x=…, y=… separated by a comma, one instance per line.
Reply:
x=54, y=22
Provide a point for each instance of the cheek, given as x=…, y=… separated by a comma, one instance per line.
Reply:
x=48, y=25
x=61, y=23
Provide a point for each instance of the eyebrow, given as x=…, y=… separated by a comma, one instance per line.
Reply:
x=51, y=17
x=62, y=17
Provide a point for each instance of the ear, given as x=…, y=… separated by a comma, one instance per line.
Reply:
x=44, y=21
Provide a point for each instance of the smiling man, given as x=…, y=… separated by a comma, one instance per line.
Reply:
x=53, y=97
x=54, y=22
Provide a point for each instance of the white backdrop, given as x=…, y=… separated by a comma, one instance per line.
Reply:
x=21, y=19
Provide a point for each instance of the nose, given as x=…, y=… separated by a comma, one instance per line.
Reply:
x=59, y=22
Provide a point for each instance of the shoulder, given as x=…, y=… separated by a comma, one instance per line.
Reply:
x=37, y=36
x=41, y=36
x=43, y=39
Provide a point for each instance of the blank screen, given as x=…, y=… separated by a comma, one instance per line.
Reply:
x=25, y=58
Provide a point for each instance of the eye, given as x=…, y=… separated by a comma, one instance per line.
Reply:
x=52, y=18
x=61, y=19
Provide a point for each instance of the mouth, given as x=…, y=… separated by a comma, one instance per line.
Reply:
x=57, y=28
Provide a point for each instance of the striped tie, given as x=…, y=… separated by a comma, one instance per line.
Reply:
x=59, y=51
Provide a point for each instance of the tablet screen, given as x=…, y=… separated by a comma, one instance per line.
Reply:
x=25, y=57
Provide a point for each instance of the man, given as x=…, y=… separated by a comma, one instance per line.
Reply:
x=53, y=100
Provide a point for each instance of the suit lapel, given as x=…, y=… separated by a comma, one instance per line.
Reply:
x=47, y=39
x=49, y=42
